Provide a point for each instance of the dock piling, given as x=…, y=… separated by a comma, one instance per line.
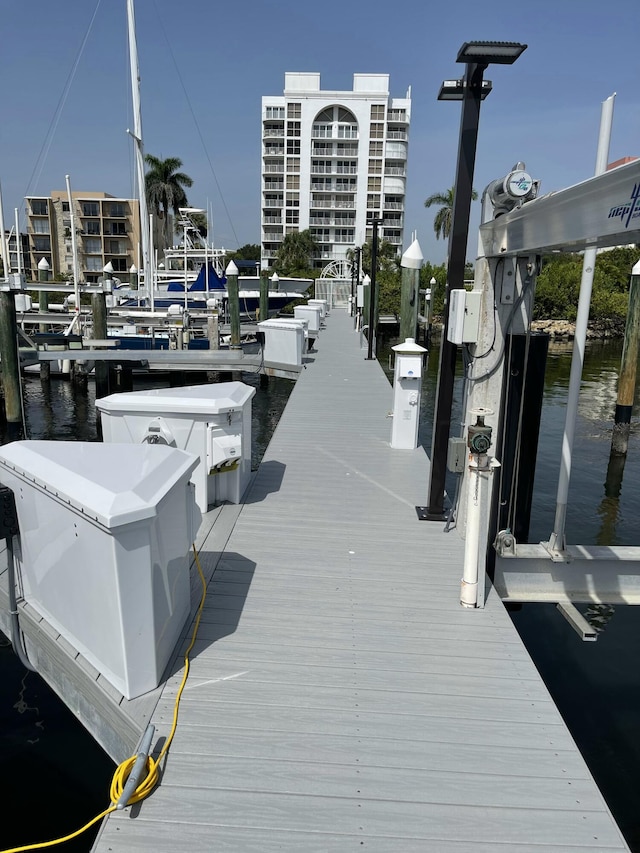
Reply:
x=627, y=380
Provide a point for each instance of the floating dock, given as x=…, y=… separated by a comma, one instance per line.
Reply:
x=339, y=697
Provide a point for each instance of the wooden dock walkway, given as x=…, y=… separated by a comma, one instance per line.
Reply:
x=339, y=696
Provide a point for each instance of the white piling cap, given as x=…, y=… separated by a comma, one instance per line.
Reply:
x=42, y=264
x=231, y=269
x=412, y=258
x=409, y=347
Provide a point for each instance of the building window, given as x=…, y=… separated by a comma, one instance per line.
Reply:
x=92, y=246
x=274, y=112
x=293, y=182
x=293, y=199
x=117, y=210
x=322, y=131
x=377, y=112
x=40, y=226
x=375, y=149
x=343, y=235
x=292, y=217
x=293, y=164
x=90, y=208
x=376, y=131
x=375, y=167
x=91, y=227
x=39, y=207
x=294, y=110
x=348, y=131
x=42, y=244
x=374, y=184
x=293, y=146
x=94, y=264
x=65, y=207
x=293, y=128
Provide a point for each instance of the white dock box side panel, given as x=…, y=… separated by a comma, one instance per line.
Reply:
x=105, y=535
x=211, y=421
x=284, y=341
x=311, y=313
x=322, y=304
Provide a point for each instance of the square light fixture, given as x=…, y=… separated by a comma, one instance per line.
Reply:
x=491, y=52
x=453, y=90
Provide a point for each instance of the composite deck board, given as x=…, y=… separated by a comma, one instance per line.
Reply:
x=339, y=697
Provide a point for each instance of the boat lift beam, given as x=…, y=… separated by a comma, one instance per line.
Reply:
x=599, y=212
x=594, y=574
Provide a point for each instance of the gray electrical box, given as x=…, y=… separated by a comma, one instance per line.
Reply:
x=456, y=455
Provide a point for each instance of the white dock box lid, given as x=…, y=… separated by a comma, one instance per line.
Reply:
x=111, y=484
x=215, y=399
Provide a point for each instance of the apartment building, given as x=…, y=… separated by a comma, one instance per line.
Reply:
x=332, y=161
x=107, y=230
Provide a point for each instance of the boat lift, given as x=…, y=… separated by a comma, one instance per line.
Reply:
x=603, y=211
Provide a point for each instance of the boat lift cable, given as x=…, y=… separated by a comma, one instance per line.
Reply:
x=195, y=121
x=132, y=764
x=57, y=115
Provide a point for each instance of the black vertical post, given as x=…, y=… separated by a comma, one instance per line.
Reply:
x=358, y=254
x=372, y=287
x=455, y=280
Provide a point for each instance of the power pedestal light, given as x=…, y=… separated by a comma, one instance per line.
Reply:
x=407, y=384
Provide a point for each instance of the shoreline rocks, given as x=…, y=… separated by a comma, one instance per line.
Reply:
x=565, y=330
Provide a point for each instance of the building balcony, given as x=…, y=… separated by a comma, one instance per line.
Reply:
x=272, y=220
x=392, y=205
x=397, y=134
x=399, y=116
x=277, y=151
x=399, y=171
x=333, y=186
x=274, y=168
x=272, y=132
x=273, y=202
x=270, y=186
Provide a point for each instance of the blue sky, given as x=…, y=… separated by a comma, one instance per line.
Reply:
x=205, y=65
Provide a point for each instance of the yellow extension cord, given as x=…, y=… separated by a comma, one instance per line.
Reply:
x=122, y=772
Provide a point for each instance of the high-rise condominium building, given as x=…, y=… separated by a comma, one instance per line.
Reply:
x=332, y=161
x=107, y=230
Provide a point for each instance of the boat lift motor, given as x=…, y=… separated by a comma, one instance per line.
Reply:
x=512, y=191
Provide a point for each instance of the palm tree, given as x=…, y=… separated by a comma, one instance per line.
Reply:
x=295, y=253
x=442, y=220
x=164, y=189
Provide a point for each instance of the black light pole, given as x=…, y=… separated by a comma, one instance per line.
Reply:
x=471, y=90
x=375, y=223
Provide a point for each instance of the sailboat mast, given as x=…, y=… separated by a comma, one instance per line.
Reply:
x=137, y=137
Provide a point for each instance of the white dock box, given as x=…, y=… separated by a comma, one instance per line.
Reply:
x=211, y=421
x=311, y=313
x=284, y=340
x=105, y=535
x=320, y=303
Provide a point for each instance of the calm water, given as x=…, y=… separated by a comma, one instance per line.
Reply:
x=596, y=685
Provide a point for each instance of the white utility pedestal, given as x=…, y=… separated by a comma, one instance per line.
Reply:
x=105, y=536
x=211, y=421
x=407, y=386
x=284, y=341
